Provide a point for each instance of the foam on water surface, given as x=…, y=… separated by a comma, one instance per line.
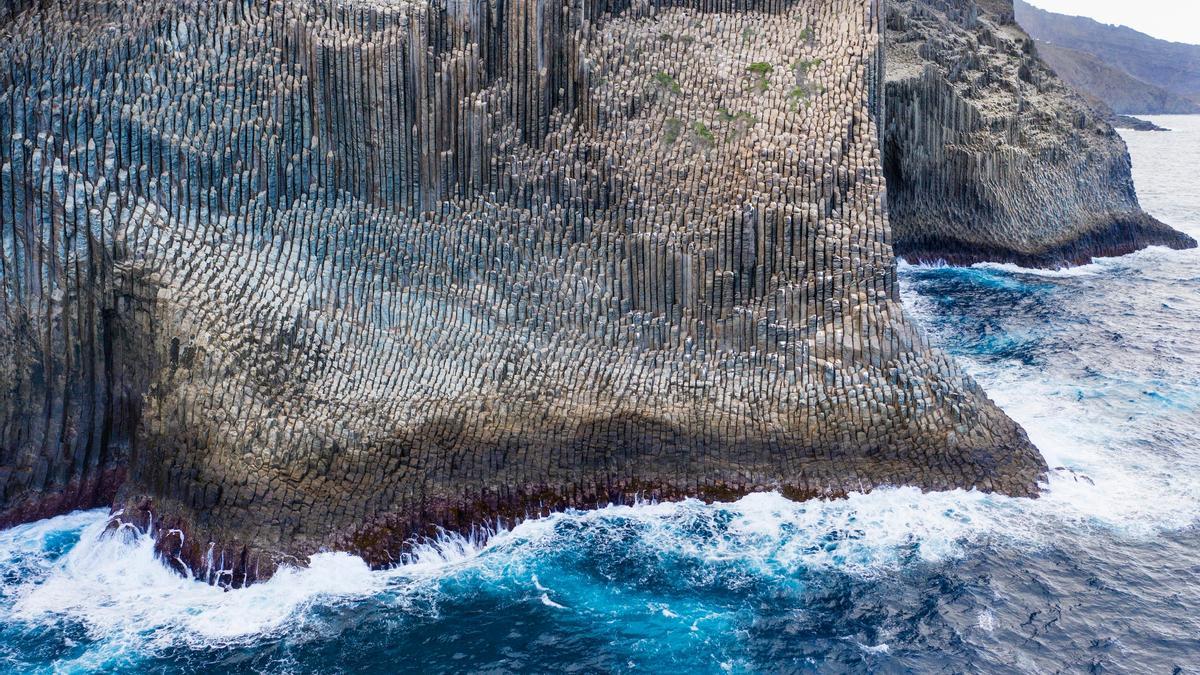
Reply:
x=126, y=602
x=1100, y=364
x=112, y=585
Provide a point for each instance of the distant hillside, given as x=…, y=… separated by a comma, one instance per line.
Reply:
x=1122, y=92
x=1171, y=66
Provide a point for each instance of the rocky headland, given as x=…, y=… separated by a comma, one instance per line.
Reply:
x=1106, y=86
x=309, y=275
x=1130, y=71
x=1135, y=123
x=990, y=157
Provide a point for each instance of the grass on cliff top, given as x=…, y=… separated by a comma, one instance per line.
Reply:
x=762, y=71
x=667, y=82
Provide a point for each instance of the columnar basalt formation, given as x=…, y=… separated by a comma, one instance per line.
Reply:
x=342, y=272
x=990, y=157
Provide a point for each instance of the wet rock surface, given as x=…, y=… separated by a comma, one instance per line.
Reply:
x=990, y=157
x=337, y=274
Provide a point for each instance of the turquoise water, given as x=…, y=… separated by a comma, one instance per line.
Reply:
x=1100, y=363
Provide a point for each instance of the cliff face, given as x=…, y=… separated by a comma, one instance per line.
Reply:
x=990, y=157
x=339, y=273
x=71, y=367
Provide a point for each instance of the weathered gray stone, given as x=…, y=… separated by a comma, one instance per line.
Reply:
x=990, y=157
x=342, y=272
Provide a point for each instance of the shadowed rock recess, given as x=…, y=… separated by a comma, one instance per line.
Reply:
x=990, y=157
x=341, y=272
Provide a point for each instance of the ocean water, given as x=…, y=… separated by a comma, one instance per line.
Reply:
x=1101, y=364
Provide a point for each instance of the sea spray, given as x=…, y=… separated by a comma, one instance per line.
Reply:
x=1100, y=365
x=113, y=585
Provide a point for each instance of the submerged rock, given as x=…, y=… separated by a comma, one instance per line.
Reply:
x=341, y=273
x=990, y=157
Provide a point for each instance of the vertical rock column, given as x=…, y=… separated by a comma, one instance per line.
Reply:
x=71, y=372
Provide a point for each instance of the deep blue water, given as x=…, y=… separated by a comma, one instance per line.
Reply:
x=1101, y=364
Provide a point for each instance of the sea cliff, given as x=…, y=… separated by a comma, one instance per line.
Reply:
x=332, y=275
x=989, y=156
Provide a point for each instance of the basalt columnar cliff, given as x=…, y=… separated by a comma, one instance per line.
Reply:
x=304, y=275
x=990, y=157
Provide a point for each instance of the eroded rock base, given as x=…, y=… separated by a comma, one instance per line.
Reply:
x=1124, y=234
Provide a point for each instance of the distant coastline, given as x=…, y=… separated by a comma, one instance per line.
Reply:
x=1114, y=66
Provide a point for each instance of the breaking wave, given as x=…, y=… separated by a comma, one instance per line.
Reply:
x=1101, y=364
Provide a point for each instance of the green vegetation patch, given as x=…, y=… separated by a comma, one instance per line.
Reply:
x=804, y=66
x=761, y=70
x=667, y=82
x=802, y=93
x=737, y=123
x=671, y=131
x=699, y=134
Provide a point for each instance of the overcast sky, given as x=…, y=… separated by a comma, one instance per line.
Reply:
x=1177, y=20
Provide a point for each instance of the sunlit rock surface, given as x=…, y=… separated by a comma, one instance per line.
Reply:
x=338, y=273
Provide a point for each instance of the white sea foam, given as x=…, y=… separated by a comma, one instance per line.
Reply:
x=550, y=603
x=119, y=592
x=1101, y=479
x=125, y=598
x=114, y=587
x=986, y=621
x=31, y=539
x=1089, y=431
x=870, y=649
x=1064, y=273
x=1144, y=260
